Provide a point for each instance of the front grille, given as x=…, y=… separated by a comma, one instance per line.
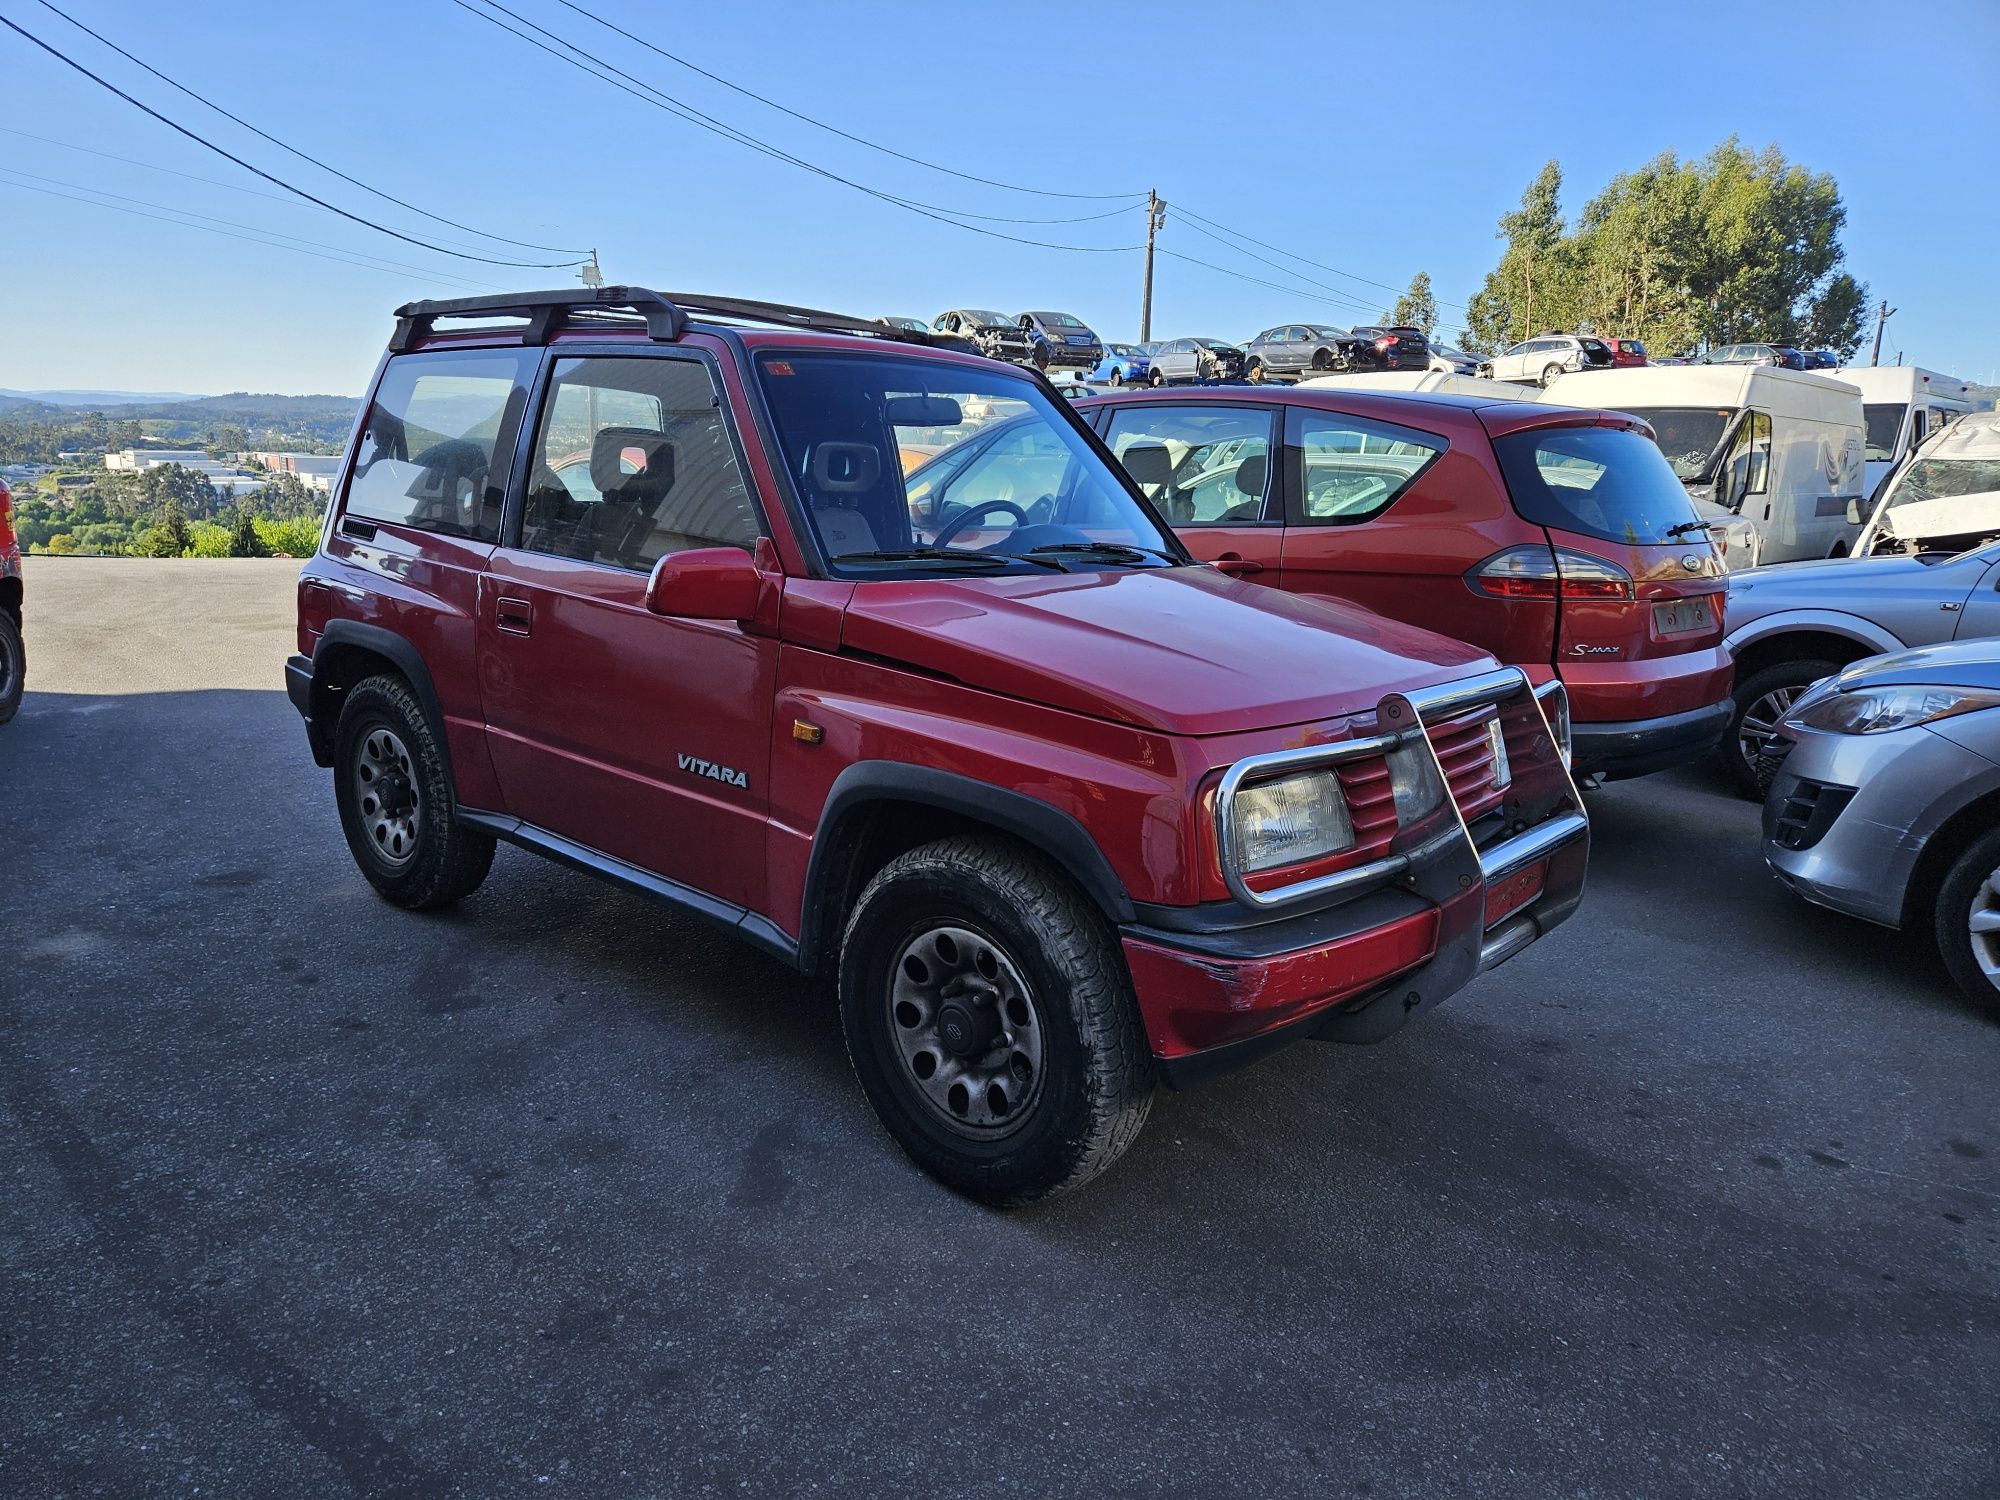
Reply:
x=1805, y=814
x=1465, y=751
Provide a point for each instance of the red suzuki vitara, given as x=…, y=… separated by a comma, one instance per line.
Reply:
x=636, y=582
x=1557, y=539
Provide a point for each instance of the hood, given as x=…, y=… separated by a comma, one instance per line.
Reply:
x=1179, y=650
x=1824, y=579
x=1952, y=515
x=1973, y=664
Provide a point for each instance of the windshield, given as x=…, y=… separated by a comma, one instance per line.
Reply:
x=1943, y=479
x=1058, y=320
x=1214, y=344
x=1605, y=482
x=1688, y=435
x=1328, y=331
x=998, y=478
x=987, y=318
x=1885, y=420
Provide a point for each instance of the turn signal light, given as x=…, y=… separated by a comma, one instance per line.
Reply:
x=1548, y=574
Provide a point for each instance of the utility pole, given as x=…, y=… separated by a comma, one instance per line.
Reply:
x=1883, y=313
x=1156, y=215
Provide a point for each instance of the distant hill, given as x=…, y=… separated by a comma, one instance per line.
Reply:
x=99, y=398
x=241, y=406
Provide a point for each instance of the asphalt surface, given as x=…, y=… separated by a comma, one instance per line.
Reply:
x=561, y=1193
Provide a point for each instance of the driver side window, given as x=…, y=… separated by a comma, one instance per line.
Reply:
x=432, y=452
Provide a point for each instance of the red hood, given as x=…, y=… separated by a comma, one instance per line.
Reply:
x=1182, y=650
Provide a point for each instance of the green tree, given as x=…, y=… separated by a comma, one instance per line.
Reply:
x=168, y=536
x=243, y=538
x=1417, y=307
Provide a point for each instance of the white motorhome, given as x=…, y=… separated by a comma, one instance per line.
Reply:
x=1771, y=457
x=1902, y=406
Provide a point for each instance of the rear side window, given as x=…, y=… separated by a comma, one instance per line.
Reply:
x=1605, y=482
x=432, y=452
x=634, y=462
x=1351, y=469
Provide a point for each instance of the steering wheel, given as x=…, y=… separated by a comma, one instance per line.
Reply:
x=972, y=513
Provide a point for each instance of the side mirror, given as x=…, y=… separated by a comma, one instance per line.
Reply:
x=706, y=583
x=1853, y=512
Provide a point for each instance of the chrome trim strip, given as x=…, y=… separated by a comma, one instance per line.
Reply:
x=1516, y=853
x=1506, y=941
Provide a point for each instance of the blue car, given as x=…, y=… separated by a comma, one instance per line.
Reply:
x=1124, y=364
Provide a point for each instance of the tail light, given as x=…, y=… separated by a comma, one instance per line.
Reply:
x=1386, y=343
x=1549, y=573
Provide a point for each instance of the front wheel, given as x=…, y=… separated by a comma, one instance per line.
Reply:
x=1256, y=372
x=1156, y=379
x=1762, y=699
x=394, y=794
x=991, y=1021
x=1968, y=920
x=13, y=666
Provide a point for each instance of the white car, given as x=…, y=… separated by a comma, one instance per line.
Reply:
x=1446, y=360
x=1544, y=360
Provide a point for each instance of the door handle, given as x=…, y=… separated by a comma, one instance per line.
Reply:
x=1237, y=566
x=1950, y=609
x=514, y=616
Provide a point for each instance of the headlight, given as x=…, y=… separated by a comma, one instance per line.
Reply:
x=1290, y=820
x=1413, y=782
x=1879, y=710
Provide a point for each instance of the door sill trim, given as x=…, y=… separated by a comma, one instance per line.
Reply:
x=749, y=925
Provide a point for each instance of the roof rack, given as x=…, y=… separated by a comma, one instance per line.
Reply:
x=665, y=314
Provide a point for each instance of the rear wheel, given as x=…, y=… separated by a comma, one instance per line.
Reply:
x=1157, y=378
x=1762, y=699
x=1117, y=377
x=394, y=794
x=13, y=666
x=991, y=1021
x=1550, y=375
x=1968, y=920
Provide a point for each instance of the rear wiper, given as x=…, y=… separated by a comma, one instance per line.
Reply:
x=1104, y=549
x=948, y=554
x=1686, y=526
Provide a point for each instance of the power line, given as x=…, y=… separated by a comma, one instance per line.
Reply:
x=1304, y=260
x=273, y=234
x=647, y=94
x=254, y=239
x=301, y=155
x=835, y=129
x=1338, y=294
x=407, y=239
x=1210, y=265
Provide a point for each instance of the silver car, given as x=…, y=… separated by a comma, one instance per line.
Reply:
x=1792, y=624
x=1883, y=801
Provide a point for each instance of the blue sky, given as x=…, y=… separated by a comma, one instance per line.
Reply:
x=1379, y=140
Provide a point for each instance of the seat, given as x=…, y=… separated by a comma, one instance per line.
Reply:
x=1250, y=478
x=1152, y=469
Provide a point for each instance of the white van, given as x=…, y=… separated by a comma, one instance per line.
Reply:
x=1945, y=497
x=1772, y=457
x=1902, y=406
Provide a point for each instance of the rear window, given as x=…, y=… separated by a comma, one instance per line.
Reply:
x=1604, y=482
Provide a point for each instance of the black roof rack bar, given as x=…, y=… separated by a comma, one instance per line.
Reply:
x=665, y=314
x=545, y=311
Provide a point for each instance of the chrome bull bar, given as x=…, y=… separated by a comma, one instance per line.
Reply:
x=1435, y=854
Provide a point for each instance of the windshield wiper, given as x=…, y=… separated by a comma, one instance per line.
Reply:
x=1686, y=526
x=948, y=554
x=1104, y=549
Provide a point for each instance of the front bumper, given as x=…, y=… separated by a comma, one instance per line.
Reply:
x=1848, y=815
x=1636, y=747
x=1407, y=932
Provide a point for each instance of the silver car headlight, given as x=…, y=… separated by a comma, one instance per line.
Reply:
x=1289, y=820
x=1879, y=710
